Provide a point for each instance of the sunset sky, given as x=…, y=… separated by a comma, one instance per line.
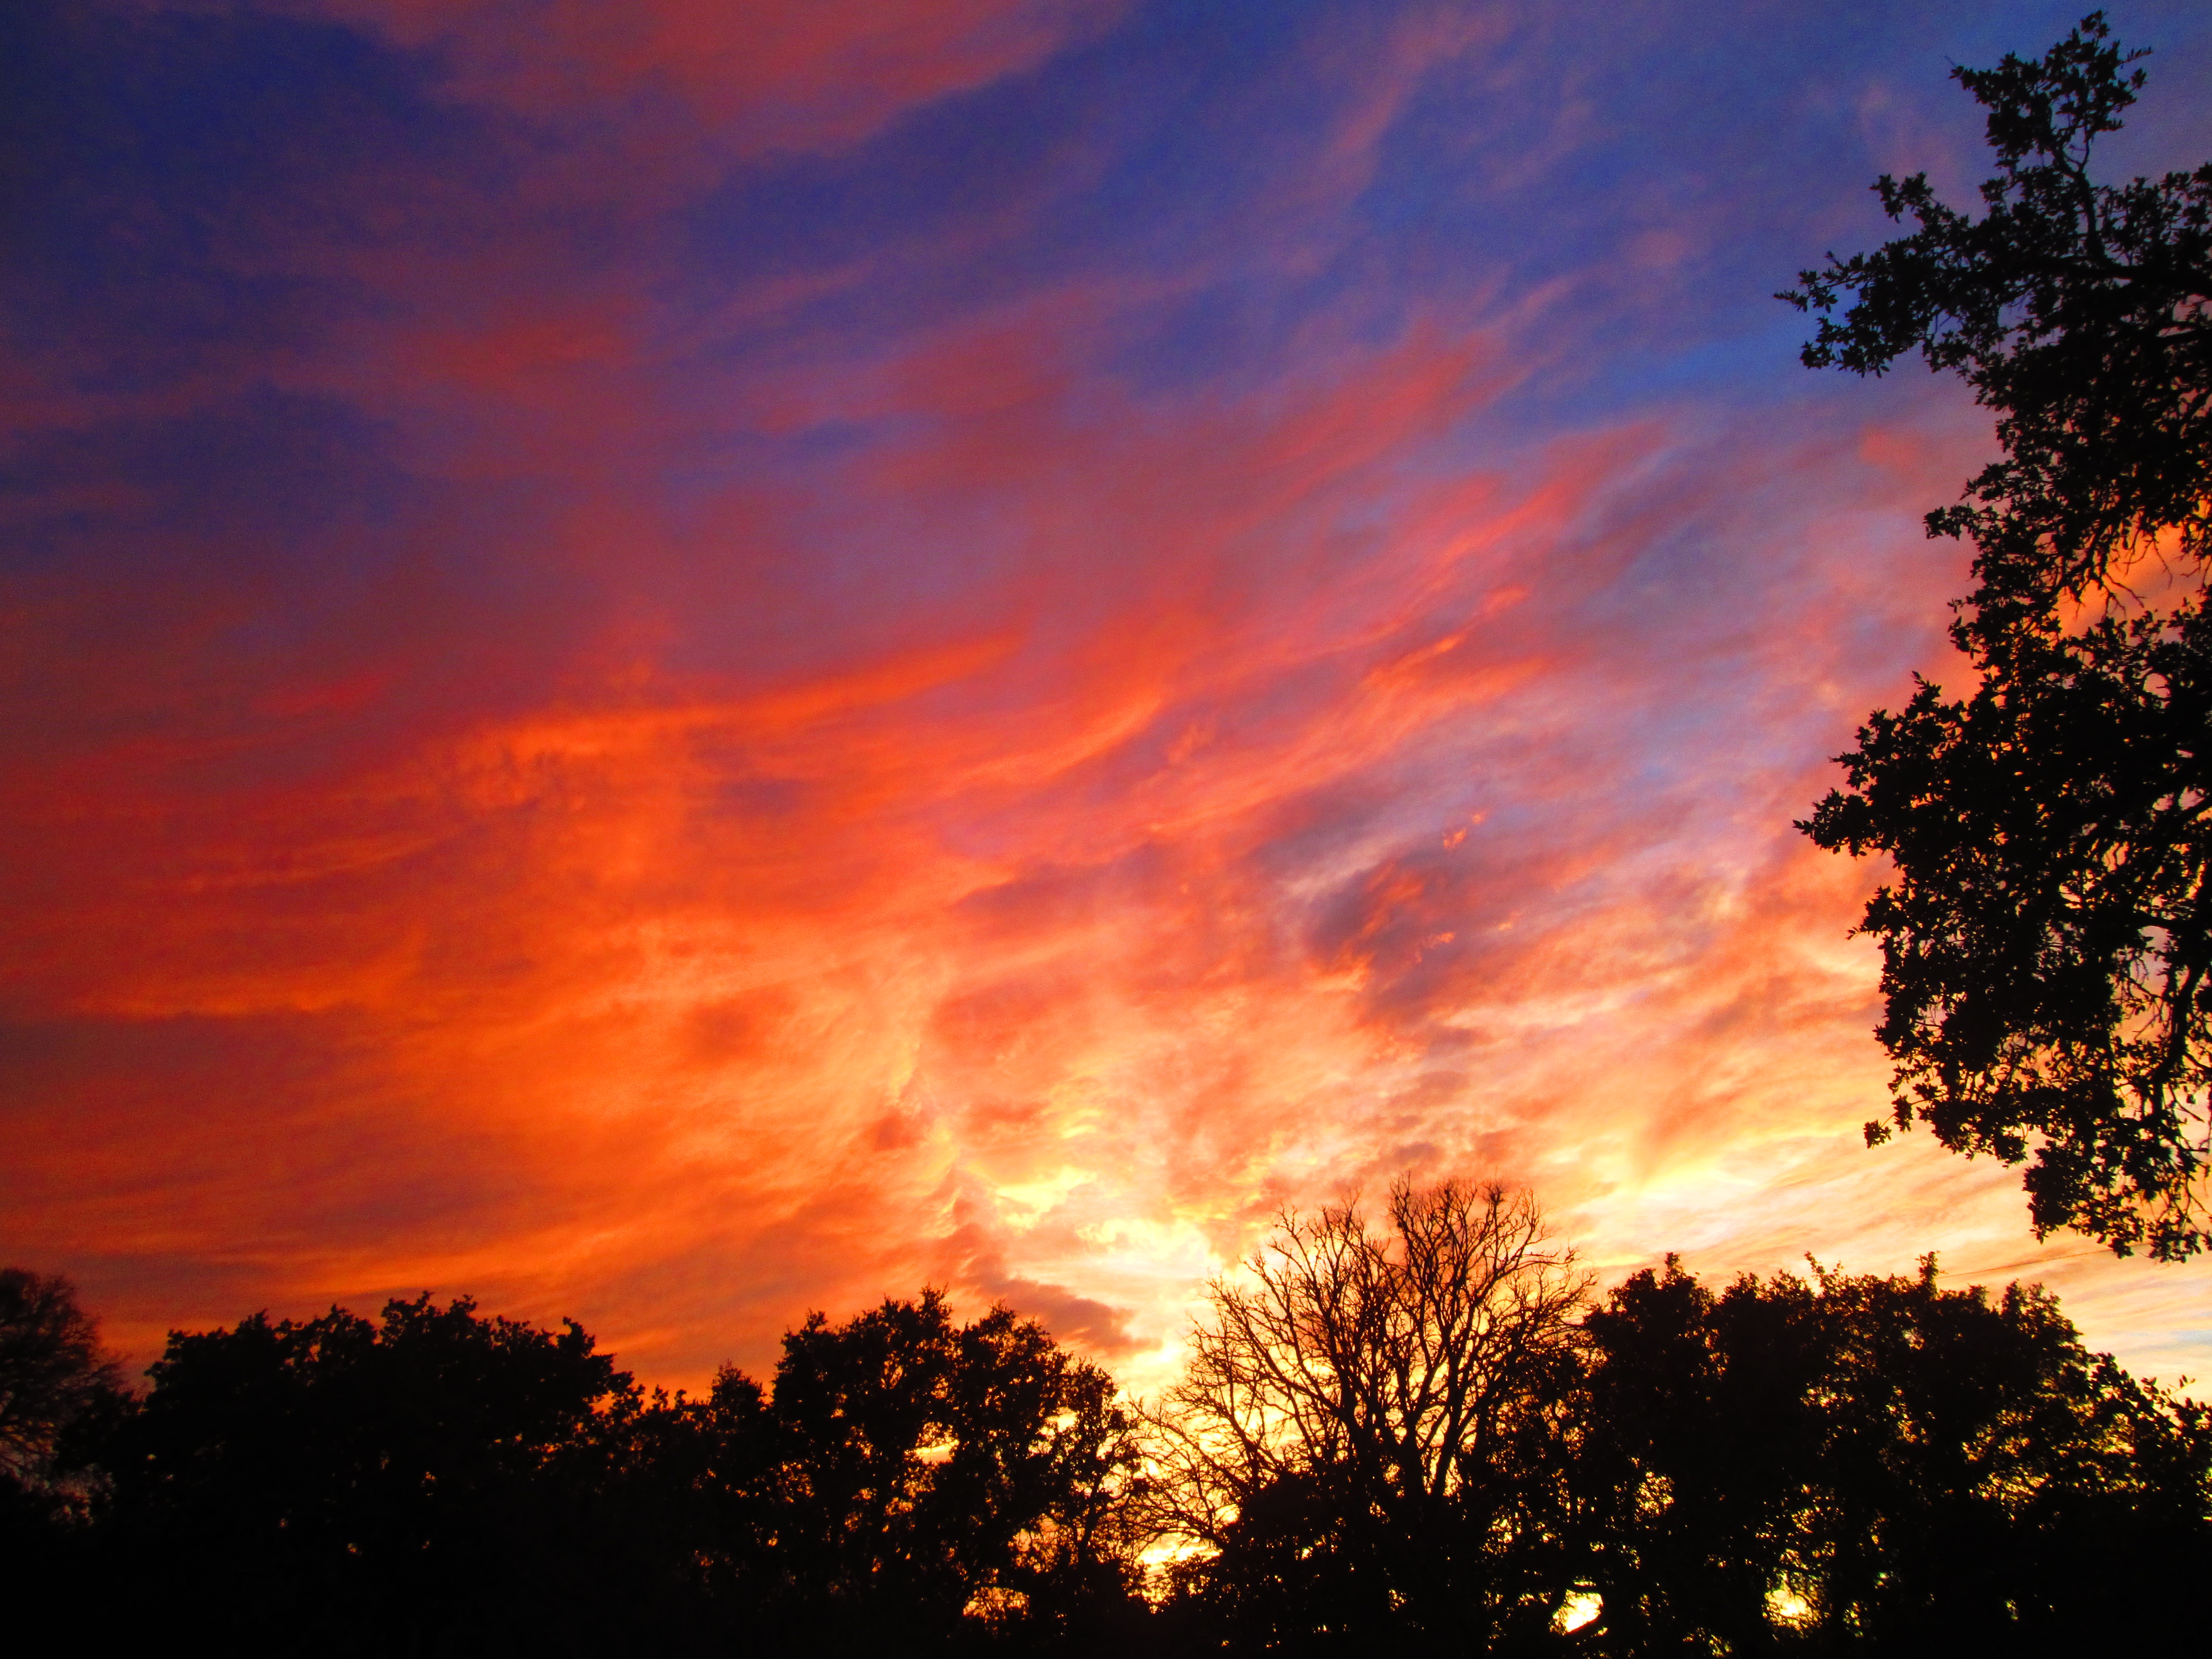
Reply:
x=679, y=661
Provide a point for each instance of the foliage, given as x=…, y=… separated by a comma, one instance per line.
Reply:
x=922, y=1472
x=1419, y=1437
x=57, y=1390
x=2045, y=939
x=2076, y=310
x=1368, y=1440
x=2047, y=942
x=52, y=1372
x=430, y=1465
x=1880, y=1464
x=910, y=1485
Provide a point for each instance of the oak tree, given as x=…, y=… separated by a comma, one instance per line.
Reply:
x=1881, y=1464
x=2047, y=937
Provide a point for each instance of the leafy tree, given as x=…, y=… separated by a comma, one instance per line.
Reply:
x=52, y=1371
x=342, y=1485
x=1399, y=1440
x=688, y=1492
x=1880, y=1464
x=1369, y=1441
x=2076, y=310
x=2045, y=939
x=437, y=1482
x=929, y=1482
x=57, y=1388
x=2047, y=942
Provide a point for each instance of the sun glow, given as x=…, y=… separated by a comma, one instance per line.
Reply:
x=1787, y=1606
x=1581, y=1608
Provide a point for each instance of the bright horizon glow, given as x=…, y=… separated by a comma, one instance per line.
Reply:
x=682, y=666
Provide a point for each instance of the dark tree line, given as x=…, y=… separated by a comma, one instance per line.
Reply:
x=1840, y=1462
x=436, y=1481
x=2047, y=939
x=1423, y=1435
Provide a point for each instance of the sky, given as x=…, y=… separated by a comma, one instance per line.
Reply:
x=683, y=662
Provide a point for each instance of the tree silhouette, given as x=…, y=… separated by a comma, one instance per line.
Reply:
x=58, y=1391
x=52, y=1371
x=1396, y=1439
x=1369, y=1441
x=2047, y=942
x=449, y=1482
x=928, y=1477
x=427, y=1471
x=1880, y=1464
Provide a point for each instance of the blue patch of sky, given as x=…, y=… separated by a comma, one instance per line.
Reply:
x=181, y=158
x=232, y=485
x=1125, y=155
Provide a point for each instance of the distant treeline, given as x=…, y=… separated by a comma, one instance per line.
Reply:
x=1420, y=1434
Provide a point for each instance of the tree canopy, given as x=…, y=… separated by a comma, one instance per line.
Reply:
x=433, y=1480
x=921, y=1471
x=1878, y=1463
x=1418, y=1433
x=432, y=1464
x=53, y=1370
x=1425, y=1435
x=2047, y=939
x=58, y=1389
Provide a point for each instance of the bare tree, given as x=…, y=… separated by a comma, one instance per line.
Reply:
x=1387, y=1395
